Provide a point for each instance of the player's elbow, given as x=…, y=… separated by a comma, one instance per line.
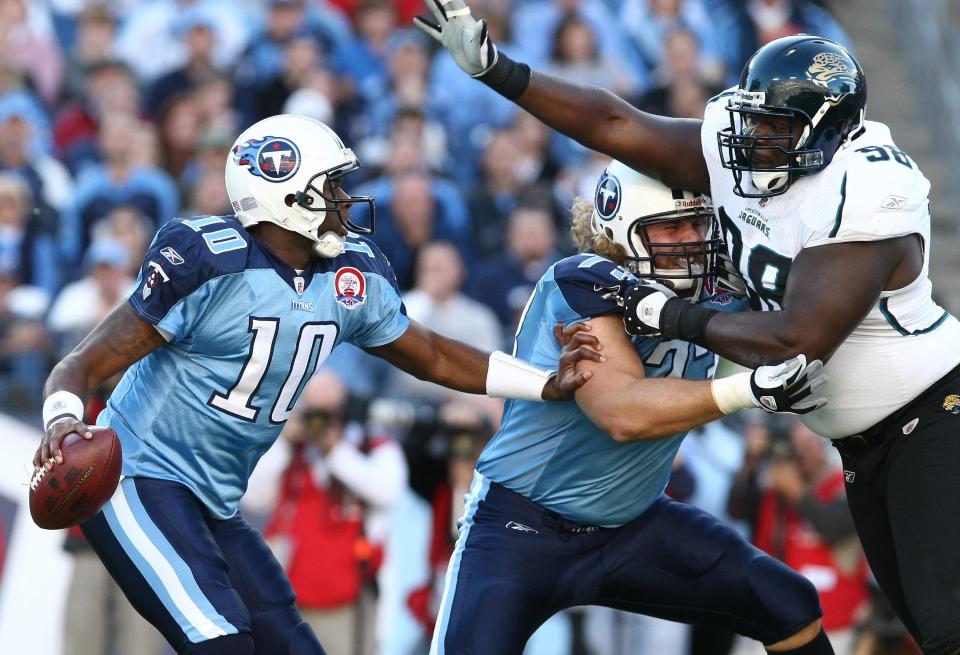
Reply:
x=627, y=428
x=793, y=341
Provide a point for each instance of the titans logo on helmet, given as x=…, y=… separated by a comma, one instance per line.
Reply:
x=273, y=158
x=607, y=197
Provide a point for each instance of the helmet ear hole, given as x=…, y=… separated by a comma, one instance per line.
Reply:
x=289, y=199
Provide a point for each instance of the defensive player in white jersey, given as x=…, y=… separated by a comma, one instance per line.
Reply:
x=567, y=505
x=828, y=222
x=230, y=316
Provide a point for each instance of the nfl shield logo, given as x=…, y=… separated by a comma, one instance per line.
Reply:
x=298, y=284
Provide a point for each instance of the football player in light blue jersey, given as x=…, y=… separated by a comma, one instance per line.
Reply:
x=229, y=318
x=567, y=506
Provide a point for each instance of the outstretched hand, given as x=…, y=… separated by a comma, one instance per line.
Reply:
x=578, y=345
x=461, y=34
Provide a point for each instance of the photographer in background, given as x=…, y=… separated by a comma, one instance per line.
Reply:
x=792, y=494
x=330, y=487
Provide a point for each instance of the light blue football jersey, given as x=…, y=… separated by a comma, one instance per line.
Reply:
x=245, y=332
x=552, y=453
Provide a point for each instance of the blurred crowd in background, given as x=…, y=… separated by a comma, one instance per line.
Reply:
x=116, y=116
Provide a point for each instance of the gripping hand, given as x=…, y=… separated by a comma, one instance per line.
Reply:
x=728, y=278
x=642, y=305
x=781, y=388
x=788, y=387
x=461, y=34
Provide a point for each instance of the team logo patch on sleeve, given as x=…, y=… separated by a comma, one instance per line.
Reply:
x=350, y=287
x=155, y=277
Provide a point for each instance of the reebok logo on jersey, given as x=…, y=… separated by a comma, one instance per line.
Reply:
x=911, y=426
x=520, y=527
x=894, y=202
x=848, y=476
x=172, y=256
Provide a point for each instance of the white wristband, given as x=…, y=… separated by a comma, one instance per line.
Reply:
x=60, y=404
x=509, y=377
x=733, y=393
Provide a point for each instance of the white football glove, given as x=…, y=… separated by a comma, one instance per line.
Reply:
x=780, y=388
x=461, y=34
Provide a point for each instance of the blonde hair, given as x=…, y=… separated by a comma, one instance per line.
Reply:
x=585, y=238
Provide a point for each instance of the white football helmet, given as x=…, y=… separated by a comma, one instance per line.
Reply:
x=627, y=203
x=276, y=172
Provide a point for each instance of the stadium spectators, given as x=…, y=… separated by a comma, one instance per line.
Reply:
x=117, y=116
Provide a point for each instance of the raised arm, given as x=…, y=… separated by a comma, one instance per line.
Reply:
x=118, y=341
x=664, y=148
x=667, y=149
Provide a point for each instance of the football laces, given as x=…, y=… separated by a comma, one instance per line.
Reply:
x=37, y=477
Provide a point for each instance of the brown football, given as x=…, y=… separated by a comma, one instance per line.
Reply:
x=72, y=492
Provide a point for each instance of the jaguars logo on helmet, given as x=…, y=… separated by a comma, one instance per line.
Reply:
x=814, y=86
x=828, y=65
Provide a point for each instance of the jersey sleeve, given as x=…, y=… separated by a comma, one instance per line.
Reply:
x=589, y=286
x=169, y=292
x=384, y=317
x=881, y=195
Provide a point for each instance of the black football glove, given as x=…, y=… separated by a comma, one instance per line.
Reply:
x=642, y=304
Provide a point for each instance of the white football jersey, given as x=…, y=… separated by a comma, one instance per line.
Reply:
x=870, y=191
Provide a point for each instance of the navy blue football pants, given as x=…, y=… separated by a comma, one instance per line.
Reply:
x=200, y=580
x=516, y=564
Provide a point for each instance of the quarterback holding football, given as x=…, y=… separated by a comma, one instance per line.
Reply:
x=828, y=222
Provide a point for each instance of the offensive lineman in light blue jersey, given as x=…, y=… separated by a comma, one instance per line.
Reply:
x=229, y=318
x=567, y=505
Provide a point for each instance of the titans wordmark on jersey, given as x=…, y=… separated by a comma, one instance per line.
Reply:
x=870, y=191
x=552, y=453
x=245, y=333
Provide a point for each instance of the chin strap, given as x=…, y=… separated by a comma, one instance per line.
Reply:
x=769, y=180
x=330, y=245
